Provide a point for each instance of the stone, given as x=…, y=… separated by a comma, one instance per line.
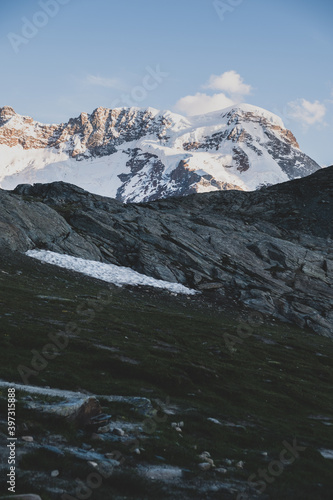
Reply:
x=55, y=473
x=28, y=439
x=326, y=453
x=101, y=419
x=118, y=432
x=221, y=470
x=214, y=421
x=89, y=409
x=204, y=466
x=104, y=429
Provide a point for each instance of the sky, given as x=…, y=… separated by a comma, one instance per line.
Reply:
x=61, y=57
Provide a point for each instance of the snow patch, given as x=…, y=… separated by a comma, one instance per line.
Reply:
x=326, y=453
x=118, y=275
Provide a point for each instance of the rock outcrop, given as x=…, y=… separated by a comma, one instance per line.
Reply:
x=270, y=249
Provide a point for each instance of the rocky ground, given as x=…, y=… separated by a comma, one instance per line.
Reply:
x=270, y=249
x=141, y=393
x=137, y=393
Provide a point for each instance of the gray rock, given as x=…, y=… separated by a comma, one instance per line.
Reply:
x=204, y=466
x=104, y=429
x=118, y=432
x=268, y=249
x=221, y=470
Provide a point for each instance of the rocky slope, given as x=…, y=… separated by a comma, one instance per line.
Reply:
x=134, y=154
x=270, y=249
x=184, y=416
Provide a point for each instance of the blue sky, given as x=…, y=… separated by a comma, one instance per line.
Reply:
x=61, y=57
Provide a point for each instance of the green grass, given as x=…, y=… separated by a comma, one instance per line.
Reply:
x=176, y=349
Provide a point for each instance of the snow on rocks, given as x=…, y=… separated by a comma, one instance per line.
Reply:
x=118, y=275
x=240, y=147
x=326, y=453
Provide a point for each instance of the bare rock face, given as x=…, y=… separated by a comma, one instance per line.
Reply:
x=86, y=412
x=270, y=249
x=25, y=225
x=6, y=113
x=136, y=155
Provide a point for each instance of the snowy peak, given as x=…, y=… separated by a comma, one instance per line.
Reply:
x=6, y=113
x=136, y=154
x=252, y=113
x=249, y=113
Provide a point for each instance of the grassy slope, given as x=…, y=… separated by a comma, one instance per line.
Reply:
x=269, y=383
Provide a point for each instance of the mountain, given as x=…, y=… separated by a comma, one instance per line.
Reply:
x=269, y=250
x=103, y=372
x=136, y=155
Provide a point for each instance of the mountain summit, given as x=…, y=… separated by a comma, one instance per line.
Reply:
x=136, y=155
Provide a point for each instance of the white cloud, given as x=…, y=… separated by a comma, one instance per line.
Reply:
x=111, y=83
x=306, y=112
x=202, y=103
x=232, y=90
x=230, y=82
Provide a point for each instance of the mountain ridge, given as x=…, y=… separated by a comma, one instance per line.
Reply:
x=137, y=154
x=269, y=249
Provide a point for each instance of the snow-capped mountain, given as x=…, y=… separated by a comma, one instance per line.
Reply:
x=135, y=154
